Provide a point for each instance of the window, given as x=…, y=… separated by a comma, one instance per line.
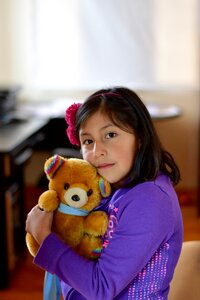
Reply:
x=56, y=45
x=88, y=44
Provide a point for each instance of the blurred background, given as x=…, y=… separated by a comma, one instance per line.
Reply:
x=55, y=52
x=68, y=49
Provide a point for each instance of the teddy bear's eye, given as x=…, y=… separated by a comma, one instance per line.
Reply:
x=66, y=186
x=89, y=193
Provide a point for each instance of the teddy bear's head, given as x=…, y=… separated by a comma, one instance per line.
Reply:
x=76, y=182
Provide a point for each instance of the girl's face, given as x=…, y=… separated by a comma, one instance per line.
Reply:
x=110, y=149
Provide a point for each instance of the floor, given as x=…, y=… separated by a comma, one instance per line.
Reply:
x=27, y=282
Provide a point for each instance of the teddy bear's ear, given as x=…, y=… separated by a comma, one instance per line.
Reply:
x=52, y=165
x=104, y=186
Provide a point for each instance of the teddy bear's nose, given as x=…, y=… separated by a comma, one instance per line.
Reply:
x=75, y=198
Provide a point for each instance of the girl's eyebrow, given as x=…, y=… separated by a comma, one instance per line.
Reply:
x=101, y=129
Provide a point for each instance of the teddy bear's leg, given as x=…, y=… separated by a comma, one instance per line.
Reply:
x=96, y=223
x=32, y=245
x=89, y=247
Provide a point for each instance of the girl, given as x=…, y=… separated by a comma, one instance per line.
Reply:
x=144, y=238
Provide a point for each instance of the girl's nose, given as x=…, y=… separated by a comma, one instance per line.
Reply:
x=99, y=149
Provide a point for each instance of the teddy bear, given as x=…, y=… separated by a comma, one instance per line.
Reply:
x=75, y=190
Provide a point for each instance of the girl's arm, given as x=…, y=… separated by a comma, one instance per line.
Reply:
x=38, y=223
x=143, y=225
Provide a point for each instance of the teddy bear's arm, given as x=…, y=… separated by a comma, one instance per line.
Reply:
x=48, y=200
x=96, y=223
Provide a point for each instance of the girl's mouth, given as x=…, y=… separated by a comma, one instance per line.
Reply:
x=105, y=166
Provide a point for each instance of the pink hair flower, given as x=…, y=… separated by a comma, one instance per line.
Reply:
x=70, y=118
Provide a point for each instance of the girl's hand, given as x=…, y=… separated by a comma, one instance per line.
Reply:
x=38, y=223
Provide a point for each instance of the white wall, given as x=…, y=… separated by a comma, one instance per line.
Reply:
x=165, y=33
x=15, y=41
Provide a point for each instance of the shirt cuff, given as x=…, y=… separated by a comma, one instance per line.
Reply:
x=49, y=252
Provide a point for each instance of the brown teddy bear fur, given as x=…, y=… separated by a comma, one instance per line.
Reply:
x=69, y=178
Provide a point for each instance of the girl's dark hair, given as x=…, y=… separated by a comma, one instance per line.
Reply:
x=127, y=111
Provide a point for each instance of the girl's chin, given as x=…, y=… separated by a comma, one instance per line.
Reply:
x=113, y=182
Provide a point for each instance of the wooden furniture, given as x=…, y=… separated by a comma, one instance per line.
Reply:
x=198, y=193
x=185, y=283
x=17, y=140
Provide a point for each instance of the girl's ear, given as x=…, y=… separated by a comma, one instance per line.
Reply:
x=104, y=187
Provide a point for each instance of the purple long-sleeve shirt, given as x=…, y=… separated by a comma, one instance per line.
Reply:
x=141, y=248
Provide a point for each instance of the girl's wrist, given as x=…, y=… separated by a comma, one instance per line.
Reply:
x=42, y=236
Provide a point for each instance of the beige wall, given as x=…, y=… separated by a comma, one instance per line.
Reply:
x=180, y=136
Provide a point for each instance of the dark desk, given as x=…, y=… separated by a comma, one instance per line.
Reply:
x=17, y=140
x=14, y=134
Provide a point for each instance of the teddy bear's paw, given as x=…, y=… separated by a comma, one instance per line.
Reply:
x=96, y=223
x=31, y=244
x=90, y=247
x=48, y=200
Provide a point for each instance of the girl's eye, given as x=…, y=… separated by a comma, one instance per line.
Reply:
x=110, y=135
x=87, y=142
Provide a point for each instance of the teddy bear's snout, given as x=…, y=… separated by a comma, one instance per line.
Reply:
x=76, y=197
